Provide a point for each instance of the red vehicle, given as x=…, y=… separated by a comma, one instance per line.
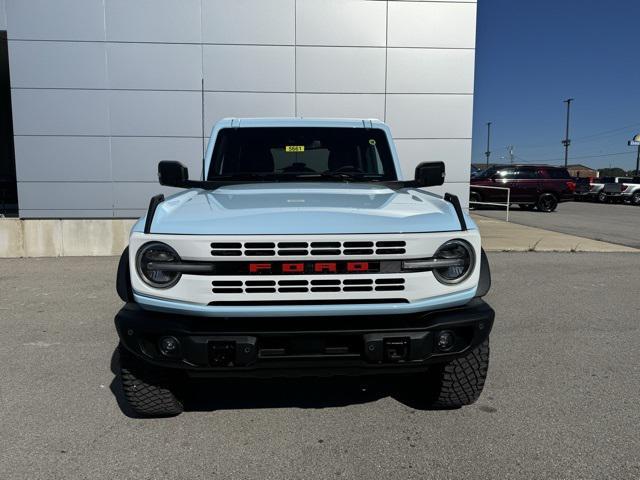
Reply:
x=531, y=186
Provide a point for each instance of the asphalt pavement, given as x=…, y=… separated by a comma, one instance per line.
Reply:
x=561, y=399
x=614, y=223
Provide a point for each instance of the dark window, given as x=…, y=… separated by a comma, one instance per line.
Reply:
x=527, y=174
x=506, y=173
x=8, y=189
x=287, y=152
x=558, y=173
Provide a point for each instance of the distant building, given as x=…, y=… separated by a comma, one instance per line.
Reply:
x=581, y=171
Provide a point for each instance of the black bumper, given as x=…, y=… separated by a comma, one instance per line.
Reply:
x=235, y=347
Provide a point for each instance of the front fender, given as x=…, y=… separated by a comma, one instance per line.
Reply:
x=123, y=278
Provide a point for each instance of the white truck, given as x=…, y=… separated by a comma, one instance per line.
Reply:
x=302, y=252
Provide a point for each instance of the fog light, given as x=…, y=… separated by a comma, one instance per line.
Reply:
x=169, y=346
x=445, y=340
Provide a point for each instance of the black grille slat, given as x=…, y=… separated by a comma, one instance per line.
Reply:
x=292, y=283
x=260, y=290
x=325, y=252
x=357, y=289
x=227, y=290
x=260, y=283
x=293, y=245
x=259, y=253
x=325, y=289
x=325, y=244
x=224, y=245
x=226, y=283
x=293, y=252
x=260, y=245
x=388, y=288
x=359, y=251
x=389, y=281
x=391, y=244
x=364, y=281
x=226, y=253
x=390, y=251
x=325, y=282
x=293, y=289
x=357, y=244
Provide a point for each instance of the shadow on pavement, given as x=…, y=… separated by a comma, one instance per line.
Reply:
x=307, y=392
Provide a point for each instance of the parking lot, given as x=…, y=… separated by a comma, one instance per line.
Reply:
x=560, y=402
x=615, y=223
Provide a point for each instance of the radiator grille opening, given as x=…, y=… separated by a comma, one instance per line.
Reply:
x=302, y=249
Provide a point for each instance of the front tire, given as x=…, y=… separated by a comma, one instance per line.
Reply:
x=635, y=198
x=149, y=390
x=459, y=382
x=547, y=202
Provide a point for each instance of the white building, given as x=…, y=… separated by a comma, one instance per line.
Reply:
x=101, y=90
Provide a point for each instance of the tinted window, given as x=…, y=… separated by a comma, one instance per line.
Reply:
x=527, y=173
x=558, y=173
x=507, y=173
x=291, y=151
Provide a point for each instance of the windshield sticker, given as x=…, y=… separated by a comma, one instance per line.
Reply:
x=372, y=141
x=294, y=148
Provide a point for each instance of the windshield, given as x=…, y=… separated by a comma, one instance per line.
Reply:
x=290, y=153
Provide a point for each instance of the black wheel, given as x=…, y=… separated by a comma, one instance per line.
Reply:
x=602, y=197
x=547, y=202
x=149, y=391
x=526, y=206
x=474, y=197
x=460, y=381
x=635, y=198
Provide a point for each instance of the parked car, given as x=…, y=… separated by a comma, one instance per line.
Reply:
x=303, y=253
x=531, y=186
x=631, y=194
x=584, y=186
x=595, y=190
x=612, y=190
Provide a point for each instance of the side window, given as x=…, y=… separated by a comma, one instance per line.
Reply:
x=558, y=173
x=527, y=174
x=507, y=173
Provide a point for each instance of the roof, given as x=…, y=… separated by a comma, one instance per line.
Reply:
x=300, y=122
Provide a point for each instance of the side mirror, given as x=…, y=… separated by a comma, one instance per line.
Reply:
x=172, y=174
x=430, y=174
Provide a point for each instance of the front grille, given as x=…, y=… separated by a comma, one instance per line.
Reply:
x=302, y=249
x=306, y=286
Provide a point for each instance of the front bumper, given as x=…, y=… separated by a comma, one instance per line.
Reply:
x=303, y=346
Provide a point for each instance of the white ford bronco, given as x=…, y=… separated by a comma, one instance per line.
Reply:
x=302, y=252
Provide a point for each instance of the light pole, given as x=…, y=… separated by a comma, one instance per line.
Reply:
x=566, y=142
x=488, y=152
x=633, y=143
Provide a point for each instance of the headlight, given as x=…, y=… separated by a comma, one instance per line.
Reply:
x=149, y=261
x=462, y=257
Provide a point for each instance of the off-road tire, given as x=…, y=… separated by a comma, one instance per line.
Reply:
x=149, y=391
x=460, y=381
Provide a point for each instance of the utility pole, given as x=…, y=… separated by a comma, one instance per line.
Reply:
x=511, y=155
x=488, y=152
x=566, y=142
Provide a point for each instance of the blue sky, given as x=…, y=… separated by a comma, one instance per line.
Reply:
x=532, y=54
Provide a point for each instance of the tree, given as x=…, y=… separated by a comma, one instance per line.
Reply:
x=612, y=172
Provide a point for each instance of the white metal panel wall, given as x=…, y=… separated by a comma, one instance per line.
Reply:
x=104, y=89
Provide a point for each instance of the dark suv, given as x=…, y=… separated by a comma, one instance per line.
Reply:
x=530, y=186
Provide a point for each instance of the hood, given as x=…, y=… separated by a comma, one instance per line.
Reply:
x=304, y=208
